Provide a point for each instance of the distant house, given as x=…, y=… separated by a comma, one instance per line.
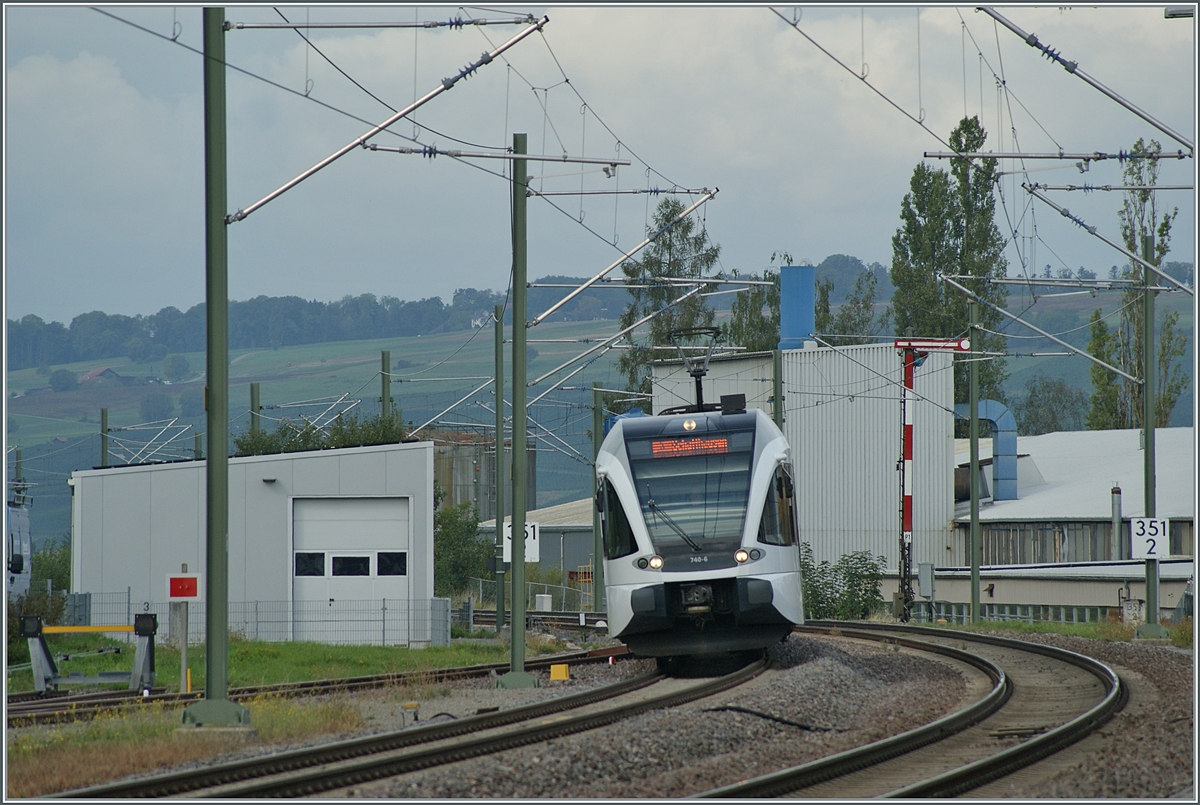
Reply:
x=103, y=374
x=106, y=376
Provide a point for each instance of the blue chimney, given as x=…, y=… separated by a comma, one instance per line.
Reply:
x=797, y=305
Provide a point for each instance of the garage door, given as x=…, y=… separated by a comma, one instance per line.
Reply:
x=348, y=556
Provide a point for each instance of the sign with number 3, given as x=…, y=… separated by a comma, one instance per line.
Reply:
x=1149, y=537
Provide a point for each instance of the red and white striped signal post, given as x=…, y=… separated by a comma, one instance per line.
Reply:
x=913, y=351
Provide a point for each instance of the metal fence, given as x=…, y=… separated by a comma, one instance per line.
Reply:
x=562, y=599
x=927, y=612
x=384, y=622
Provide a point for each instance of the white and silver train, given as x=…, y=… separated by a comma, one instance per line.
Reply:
x=700, y=533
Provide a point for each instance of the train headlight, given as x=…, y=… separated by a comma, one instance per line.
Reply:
x=756, y=554
x=642, y=563
x=656, y=562
x=741, y=555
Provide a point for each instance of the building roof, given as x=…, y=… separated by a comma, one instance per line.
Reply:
x=1080, y=468
x=575, y=512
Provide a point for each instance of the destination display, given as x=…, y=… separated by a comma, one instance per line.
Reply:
x=700, y=446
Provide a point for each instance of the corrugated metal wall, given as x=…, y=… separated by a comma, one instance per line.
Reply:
x=843, y=420
x=467, y=472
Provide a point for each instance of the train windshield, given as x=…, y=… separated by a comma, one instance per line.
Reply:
x=693, y=491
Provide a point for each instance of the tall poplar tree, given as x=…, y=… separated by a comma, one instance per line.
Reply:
x=678, y=251
x=947, y=225
x=1117, y=402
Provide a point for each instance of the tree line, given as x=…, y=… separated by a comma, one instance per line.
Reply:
x=270, y=322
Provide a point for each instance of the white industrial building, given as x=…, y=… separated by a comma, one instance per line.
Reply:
x=843, y=419
x=328, y=545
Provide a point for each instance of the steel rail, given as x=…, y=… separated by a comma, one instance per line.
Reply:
x=957, y=781
x=966, y=778
x=325, y=768
x=785, y=781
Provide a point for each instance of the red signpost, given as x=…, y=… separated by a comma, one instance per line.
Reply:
x=182, y=588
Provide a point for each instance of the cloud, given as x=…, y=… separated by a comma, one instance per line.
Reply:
x=90, y=160
x=109, y=183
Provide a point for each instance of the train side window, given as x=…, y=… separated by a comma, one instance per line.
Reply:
x=787, y=506
x=618, y=536
x=777, y=526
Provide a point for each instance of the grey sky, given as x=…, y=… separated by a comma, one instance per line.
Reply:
x=104, y=162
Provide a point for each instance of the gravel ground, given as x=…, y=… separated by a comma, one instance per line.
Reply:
x=823, y=698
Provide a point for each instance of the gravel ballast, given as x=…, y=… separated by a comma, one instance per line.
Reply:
x=821, y=697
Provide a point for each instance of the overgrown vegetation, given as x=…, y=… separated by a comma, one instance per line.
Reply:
x=50, y=578
x=458, y=553
x=1180, y=634
x=848, y=590
x=118, y=744
x=346, y=431
x=253, y=662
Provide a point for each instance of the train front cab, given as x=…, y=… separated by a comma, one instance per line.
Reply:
x=698, y=515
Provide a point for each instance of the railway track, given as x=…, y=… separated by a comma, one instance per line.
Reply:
x=1044, y=700
x=322, y=769
x=27, y=710
x=1029, y=702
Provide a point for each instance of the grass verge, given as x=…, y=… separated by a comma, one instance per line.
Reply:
x=135, y=741
x=49, y=759
x=1181, y=634
x=260, y=663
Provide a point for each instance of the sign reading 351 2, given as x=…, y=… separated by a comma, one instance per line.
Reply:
x=1149, y=537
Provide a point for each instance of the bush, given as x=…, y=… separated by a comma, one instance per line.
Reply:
x=176, y=367
x=345, y=431
x=191, y=403
x=63, y=380
x=53, y=563
x=156, y=405
x=849, y=590
x=458, y=553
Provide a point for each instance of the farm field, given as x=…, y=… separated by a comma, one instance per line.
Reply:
x=58, y=432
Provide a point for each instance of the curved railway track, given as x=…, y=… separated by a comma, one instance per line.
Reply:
x=29, y=709
x=329, y=767
x=1054, y=698
x=1029, y=702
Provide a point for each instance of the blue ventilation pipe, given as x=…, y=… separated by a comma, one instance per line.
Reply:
x=1004, y=446
x=797, y=305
